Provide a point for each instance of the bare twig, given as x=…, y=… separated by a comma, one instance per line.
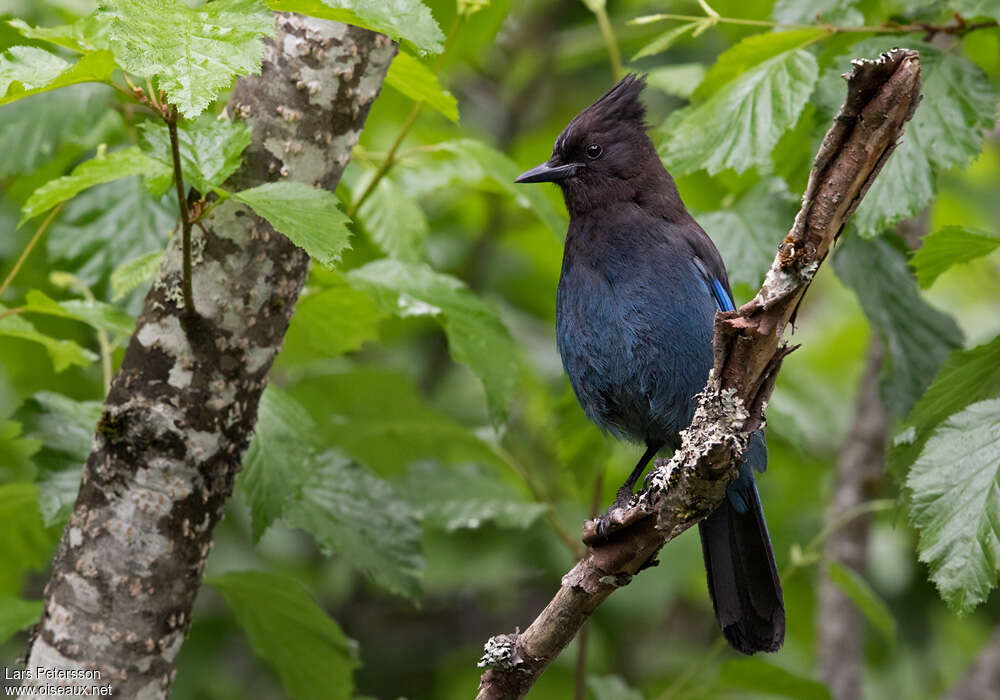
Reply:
x=182, y=205
x=31, y=245
x=882, y=95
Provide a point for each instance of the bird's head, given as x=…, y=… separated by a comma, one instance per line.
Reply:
x=603, y=153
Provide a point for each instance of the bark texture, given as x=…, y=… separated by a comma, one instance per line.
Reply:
x=182, y=408
x=839, y=625
x=881, y=96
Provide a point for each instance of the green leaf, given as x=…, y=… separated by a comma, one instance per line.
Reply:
x=902, y=189
x=865, y=599
x=57, y=492
x=109, y=224
x=748, y=233
x=309, y=216
x=103, y=168
x=678, y=80
x=955, y=504
x=289, y=631
x=395, y=221
x=83, y=36
x=966, y=377
x=94, y=313
x=16, y=451
x=418, y=82
x=665, y=40
x=278, y=459
x=332, y=321
x=350, y=511
x=25, y=543
x=26, y=70
x=976, y=8
x=63, y=353
x=611, y=688
x=211, y=149
x=739, y=125
x=760, y=676
x=193, y=54
x=466, y=497
x=379, y=418
x=918, y=337
x=839, y=12
x=476, y=336
x=399, y=19
x=949, y=246
x=750, y=53
x=467, y=8
x=131, y=273
x=504, y=171
x=17, y=614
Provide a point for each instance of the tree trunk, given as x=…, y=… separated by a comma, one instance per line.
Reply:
x=182, y=408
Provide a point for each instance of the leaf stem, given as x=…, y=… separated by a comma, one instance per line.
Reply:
x=390, y=160
x=28, y=248
x=12, y=312
x=608, y=33
x=175, y=151
x=959, y=29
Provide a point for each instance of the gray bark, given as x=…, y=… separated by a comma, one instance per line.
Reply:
x=182, y=408
x=840, y=626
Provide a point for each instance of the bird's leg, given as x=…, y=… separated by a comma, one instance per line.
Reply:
x=625, y=492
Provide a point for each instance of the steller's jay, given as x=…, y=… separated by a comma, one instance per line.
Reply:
x=640, y=285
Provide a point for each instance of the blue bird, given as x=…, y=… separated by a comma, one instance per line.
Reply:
x=640, y=285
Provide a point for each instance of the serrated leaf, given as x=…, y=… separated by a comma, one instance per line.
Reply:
x=749, y=53
x=103, y=168
x=308, y=216
x=665, y=40
x=947, y=130
x=966, y=377
x=504, y=171
x=476, y=336
x=27, y=70
x=839, y=12
x=131, y=273
x=611, y=688
x=466, y=497
x=678, y=80
x=94, y=313
x=918, y=337
x=399, y=19
x=289, y=631
x=395, y=221
x=211, y=149
x=109, y=224
x=354, y=513
x=418, y=82
x=761, y=676
x=279, y=457
x=949, y=246
x=378, y=418
x=17, y=614
x=955, y=504
x=865, y=599
x=192, y=53
x=739, y=125
x=63, y=353
x=23, y=538
x=85, y=35
x=332, y=321
x=748, y=233
x=63, y=425
x=57, y=492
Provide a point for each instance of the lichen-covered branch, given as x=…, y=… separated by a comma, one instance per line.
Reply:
x=749, y=346
x=182, y=408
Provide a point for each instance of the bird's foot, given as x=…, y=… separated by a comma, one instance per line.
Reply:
x=622, y=514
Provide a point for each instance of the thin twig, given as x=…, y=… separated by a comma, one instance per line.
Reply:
x=608, y=34
x=175, y=150
x=28, y=248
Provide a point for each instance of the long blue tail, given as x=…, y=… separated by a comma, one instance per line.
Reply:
x=742, y=576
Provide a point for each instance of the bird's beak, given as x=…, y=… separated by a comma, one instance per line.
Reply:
x=548, y=172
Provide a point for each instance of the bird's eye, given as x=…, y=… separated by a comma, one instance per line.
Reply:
x=594, y=151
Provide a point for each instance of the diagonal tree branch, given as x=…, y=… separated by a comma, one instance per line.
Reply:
x=881, y=96
x=183, y=406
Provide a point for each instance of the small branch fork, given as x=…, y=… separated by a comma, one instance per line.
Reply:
x=882, y=95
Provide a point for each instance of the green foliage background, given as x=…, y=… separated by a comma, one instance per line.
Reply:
x=421, y=468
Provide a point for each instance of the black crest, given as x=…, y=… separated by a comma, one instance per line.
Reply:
x=620, y=103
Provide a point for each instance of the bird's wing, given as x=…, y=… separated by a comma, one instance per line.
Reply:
x=723, y=299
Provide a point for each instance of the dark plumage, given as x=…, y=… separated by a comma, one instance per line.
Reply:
x=640, y=285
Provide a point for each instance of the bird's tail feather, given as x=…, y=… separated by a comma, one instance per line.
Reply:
x=742, y=576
